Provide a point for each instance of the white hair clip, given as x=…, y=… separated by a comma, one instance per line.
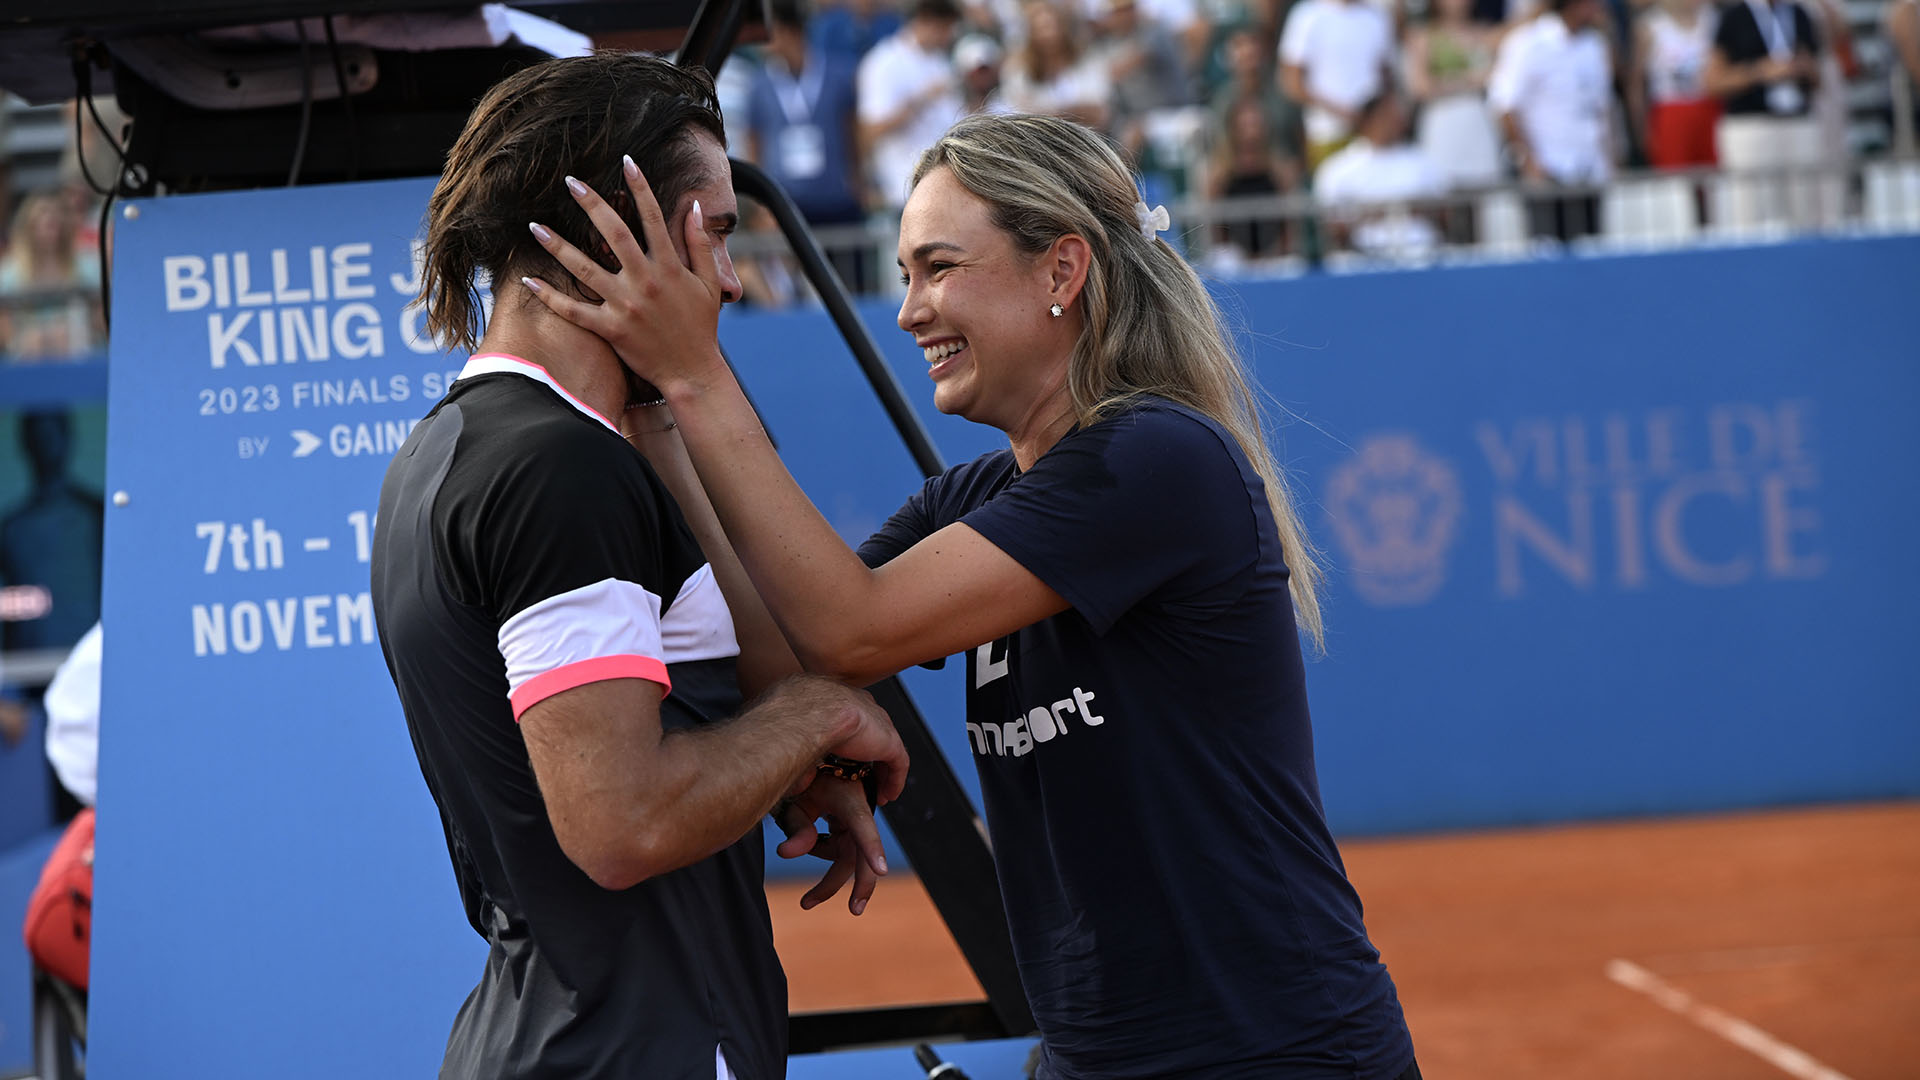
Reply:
x=1152, y=222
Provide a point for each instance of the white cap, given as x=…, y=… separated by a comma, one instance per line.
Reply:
x=975, y=51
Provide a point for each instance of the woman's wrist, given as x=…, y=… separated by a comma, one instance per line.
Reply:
x=647, y=418
x=695, y=383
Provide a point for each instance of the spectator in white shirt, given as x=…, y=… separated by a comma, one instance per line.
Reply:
x=1552, y=89
x=908, y=96
x=1335, y=56
x=73, y=718
x=1051, y=73
x=977, y=60
x=1375, y=183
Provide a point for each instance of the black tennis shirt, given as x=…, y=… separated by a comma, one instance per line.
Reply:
x=524, y=549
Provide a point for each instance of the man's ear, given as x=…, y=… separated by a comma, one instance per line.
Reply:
x=1067, y=263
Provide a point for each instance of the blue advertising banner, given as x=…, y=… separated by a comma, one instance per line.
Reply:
x=1608, y=536
x=273, y=892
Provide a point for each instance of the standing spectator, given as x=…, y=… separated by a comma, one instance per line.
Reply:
x=1143, y=62
x=1052, y=74
x=1838, y=65
x=1668, y=92
x=849, y=29
x=1764, y=66
x=1552, y=89
x=1372, y=179
x=803, y=129
x=49, y=285
x=908, y=97
x=1903, y=29
x=1335, y=56
x=1249, y=74
x=72, y=703
x=1249, y=161
x=1449, y=59
x=977, y=60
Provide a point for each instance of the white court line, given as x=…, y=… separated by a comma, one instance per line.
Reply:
x=1788, y=1059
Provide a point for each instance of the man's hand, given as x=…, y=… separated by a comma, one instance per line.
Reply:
x=851, y=842
x=866, y=735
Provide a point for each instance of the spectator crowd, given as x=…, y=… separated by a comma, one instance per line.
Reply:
x=1388, y=114
x=1306, y=126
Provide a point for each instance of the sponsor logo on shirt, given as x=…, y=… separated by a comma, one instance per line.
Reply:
x=1039, y=724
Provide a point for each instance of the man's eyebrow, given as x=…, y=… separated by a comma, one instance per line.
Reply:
x=932, y=246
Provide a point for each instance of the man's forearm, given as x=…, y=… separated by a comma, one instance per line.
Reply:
x=628, y=802
x=714, y=784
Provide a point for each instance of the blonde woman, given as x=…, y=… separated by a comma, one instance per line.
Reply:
x=63, y=320
x=1125, y=580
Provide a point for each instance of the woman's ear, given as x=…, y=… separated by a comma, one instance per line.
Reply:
x=1067, y=262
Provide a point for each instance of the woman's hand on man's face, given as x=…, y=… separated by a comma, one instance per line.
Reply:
x=660, y=315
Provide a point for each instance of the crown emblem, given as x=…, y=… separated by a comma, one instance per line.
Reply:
x=1394, y=509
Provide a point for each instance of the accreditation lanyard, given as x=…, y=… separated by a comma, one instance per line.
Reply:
x=798, y=97
x=1776, y=24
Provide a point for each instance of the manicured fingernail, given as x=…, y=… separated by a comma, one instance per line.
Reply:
x=879, y=864
x=532, y=285
x=579, y=189
x=627, y=166
x=859, y=907
x=699, y=218
x=540, y=232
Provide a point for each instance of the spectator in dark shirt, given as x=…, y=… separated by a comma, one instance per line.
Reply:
x=803, y=128
x=1764, y=66
x=1248, y=161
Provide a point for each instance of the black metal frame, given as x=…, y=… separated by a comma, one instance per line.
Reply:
x=934, y=821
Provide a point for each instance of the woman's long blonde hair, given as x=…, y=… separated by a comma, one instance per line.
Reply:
x=1151, y=326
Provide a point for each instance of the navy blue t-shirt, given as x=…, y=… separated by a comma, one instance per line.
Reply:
x=1178, y=906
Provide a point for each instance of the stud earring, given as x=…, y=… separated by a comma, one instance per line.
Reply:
x=1056, y=311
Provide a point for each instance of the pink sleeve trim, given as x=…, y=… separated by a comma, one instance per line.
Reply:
x=599, y=669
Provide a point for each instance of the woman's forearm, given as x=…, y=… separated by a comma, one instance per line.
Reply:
x=815, y=588
x=765, y=657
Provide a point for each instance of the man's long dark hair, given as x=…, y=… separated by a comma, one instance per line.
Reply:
x=573, y=116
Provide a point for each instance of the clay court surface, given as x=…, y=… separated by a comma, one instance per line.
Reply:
x=1757, y=945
